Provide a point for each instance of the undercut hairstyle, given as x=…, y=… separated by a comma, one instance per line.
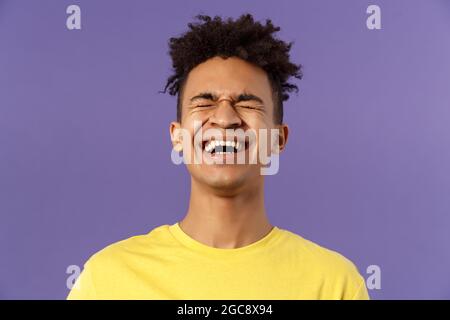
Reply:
x=243, y=38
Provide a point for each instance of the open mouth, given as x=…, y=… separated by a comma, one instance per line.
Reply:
x=223, y=147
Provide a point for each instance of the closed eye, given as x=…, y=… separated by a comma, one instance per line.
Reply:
x=247, y=107
x=203, y=105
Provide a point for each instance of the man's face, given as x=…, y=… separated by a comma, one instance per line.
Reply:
x=221, y=96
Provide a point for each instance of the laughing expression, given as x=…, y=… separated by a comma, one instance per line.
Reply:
x=225, y=105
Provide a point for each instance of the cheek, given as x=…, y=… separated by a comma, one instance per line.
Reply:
x=256, y=119
x=187, y=139
x=198, y=115
x=192, y=123
x=261, y=125
x=264, y=137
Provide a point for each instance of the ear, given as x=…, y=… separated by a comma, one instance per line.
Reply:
x=283, y=132
x=176, y=136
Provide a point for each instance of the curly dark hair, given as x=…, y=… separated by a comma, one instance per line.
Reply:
x=243, y=38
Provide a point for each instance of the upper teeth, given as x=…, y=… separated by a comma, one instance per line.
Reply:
x=215, y=143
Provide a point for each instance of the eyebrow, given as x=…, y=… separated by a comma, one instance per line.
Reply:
x=241, y=97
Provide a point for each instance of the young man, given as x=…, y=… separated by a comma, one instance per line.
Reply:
x=230, y=76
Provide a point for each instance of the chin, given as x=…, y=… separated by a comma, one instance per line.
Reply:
x=226, y=177
x=225, y=183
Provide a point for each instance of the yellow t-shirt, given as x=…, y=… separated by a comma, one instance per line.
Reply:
x=167, y=263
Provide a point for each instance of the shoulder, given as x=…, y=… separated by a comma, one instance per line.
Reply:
x=330, y=266
x=104, y=271
x=156, y=239
x=316, y=252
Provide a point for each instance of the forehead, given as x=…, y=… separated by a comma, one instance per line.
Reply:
x=228, y=77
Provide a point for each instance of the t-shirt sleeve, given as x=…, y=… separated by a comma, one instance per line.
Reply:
x=353, y=283
x=83, y=289
x=361, y=292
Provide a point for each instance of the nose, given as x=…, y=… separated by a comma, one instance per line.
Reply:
x=225, y=116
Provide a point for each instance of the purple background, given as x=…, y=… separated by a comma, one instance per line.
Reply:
x=85, y=149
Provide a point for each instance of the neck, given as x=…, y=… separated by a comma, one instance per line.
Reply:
x=226, y=221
